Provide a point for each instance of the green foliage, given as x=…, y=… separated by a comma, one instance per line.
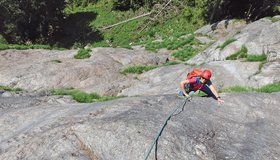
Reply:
x=171, y=43
x=2, y=40
x=137, y=69
x=273, y=19
x=254, y=58
x=274, y=87
x=50, y=22
x=125, y=5
x=195, y=14
x=37, y=21
x=186, y=53
x=5, y=88
x=227, y=42
x=199, y=93
x=23, y=47
x=82, y=97
x=127, y=34
x=277, y=9
x=119, y=36
x=188, y=17
x=141, y=69
x=83, y=53
x=237, y=89
x=183, y=43
x=33, y=20
x=242, y=53
x=79, y=3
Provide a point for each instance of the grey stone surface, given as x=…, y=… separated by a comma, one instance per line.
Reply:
x=204, y=40
x=221, y=29
x=269, y=74
x=33, y=69
x=166, y=80
x=38, y=126
x=245, y=127
x=258, y=37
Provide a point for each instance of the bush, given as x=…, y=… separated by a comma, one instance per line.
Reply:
x=32, y=20
x=171, y=43
x=81, y=97
x=83, y=53
x=273, y=19
x=186, y=53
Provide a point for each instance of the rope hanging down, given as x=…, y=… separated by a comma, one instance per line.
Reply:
x=164, y=125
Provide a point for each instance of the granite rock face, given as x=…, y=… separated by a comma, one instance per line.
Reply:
x=35, y=125
x=37, y=70
x=245, y=127
x=259, y=37
x=166, y=80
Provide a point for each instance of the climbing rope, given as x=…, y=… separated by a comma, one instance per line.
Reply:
x=162, y=128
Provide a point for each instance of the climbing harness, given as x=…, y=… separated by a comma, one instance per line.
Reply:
x=164, y=125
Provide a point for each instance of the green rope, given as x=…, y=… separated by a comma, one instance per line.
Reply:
x=160, y=131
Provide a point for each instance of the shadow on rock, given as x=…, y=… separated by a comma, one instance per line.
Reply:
x=75, y=30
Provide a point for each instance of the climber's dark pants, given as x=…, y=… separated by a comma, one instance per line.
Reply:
x=208, y=91
x=204, y=89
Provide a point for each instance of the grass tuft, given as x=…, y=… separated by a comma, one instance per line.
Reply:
x=242, y=53
x=5, y=88
x=236, y=89
x=227, y=42
x=274, y=87
x=137, y=69
x=273, y=19
x=23, y=47
x=82, y=97
x=83, y=53
x=256, y=58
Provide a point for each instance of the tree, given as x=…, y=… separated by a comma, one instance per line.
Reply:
x=125, y=5
x=247, y=9
x=76, y=3
x=33, y=21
